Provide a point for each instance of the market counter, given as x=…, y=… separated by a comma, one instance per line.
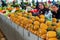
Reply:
x=15, y=32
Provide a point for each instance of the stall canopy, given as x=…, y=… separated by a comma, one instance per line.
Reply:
x=19, y=1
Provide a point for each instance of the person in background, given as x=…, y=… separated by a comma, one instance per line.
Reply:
x=55, y=11
x=3, y=3
x=40, y=10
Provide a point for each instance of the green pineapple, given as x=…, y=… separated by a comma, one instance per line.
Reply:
x=49, y=29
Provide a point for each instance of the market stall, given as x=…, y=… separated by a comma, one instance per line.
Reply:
x=30, y=20
x=15, y=32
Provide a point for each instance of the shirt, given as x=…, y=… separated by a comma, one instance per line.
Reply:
x=56, y=15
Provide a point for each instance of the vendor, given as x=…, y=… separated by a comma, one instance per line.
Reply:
x=56, y=11
x=40, y=10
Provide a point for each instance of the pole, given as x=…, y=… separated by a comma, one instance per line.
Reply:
x=22, y=4
x=33, y=2
x=37, y=4
x=53, y=2
x=41, y=0
x=47, y=2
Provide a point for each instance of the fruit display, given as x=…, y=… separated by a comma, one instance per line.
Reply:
x=38, y=25
x=7, y=10
x=35, y=19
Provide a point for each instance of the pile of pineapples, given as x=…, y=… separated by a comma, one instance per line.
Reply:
x=48, y=30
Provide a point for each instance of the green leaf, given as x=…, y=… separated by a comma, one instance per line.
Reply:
x=49, y=29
